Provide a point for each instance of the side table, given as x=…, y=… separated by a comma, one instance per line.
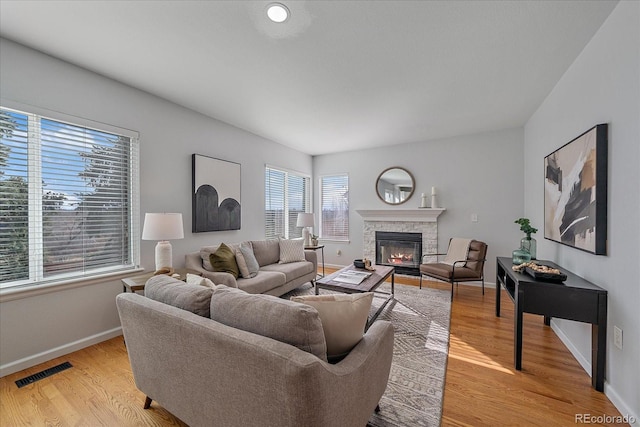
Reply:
x=315, y=248
x=136, y=283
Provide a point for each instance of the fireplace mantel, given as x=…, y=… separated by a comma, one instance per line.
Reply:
x=415, y=215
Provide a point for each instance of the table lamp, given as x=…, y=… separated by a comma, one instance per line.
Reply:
x=163, y=227
x=305, y=220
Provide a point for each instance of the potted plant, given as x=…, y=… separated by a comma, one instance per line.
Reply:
x=314, y=240
x=527, y=243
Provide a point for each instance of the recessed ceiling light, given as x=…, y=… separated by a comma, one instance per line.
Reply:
x=277, y=12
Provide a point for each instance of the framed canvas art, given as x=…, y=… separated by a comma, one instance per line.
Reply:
x=216, y=194
x=575, y=192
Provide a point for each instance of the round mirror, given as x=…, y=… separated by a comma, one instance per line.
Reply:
x=395, y=185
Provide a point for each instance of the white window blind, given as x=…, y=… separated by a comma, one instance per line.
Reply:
x=334, y=202
x=68, y=200
x=287, y=193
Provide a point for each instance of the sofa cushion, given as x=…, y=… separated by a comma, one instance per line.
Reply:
x=344, y=317
x=224, y=260
x=263, y=282
x=242, y=265
x=206, y=251
x=247, y=263
x=286, y=321
x=266, y=251
x=291, y=250
x=292, y=270
x=190, y=297
x=252, y=263
x=194, y=279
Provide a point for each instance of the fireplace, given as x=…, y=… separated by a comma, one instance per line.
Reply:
x=400, y=250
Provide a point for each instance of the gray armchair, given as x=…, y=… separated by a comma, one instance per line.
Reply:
x=466, y=269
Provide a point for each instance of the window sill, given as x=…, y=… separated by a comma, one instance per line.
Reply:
x=321, y=240
x=31, y=290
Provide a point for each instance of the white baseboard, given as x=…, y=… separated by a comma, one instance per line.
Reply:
x=609, y=391
x=45, y=356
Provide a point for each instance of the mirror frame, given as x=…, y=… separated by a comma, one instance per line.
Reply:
x=413, y=185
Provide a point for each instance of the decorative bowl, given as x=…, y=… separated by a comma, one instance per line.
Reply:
x=358, y=263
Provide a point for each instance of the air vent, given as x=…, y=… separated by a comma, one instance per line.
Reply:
x=43, y=374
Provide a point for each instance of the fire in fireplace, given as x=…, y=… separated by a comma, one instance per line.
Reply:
x=400, y=250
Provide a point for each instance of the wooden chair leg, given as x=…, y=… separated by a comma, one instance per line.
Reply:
x=483, y=286
x=420, y=281
x=147, y=402
x=377, y=409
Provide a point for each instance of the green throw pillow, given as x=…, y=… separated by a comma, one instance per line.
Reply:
x=224, y=260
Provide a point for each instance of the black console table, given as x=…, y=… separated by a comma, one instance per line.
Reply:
x=574, y=299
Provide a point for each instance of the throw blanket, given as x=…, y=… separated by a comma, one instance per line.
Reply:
x=458, y=251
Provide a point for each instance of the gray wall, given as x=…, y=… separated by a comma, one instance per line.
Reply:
x=39, y=327
x=479, y=174
x=601, y=86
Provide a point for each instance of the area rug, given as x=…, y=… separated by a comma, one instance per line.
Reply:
x=416, y=383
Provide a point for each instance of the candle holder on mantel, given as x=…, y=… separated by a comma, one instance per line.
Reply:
x=434, y=198
x=424, y=201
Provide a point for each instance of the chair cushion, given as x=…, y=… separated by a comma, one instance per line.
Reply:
x=444, y=272
x=286, y=321
x=344, y=318
x=477, y=251
x=224, y=260
x=190, y=297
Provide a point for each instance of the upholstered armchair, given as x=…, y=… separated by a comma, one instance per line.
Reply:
x=463, y=262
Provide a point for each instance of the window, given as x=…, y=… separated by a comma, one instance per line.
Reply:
x=286, y=194
x=68, y=200
x=334, y=202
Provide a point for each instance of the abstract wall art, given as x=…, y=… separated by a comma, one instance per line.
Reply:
x=216, y=194
x=575, y=192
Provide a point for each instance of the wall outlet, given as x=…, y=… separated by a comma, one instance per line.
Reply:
x=474, y=217
x=617, y=337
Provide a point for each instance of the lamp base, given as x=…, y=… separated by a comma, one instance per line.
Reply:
x=164, y=255
x=307, y=236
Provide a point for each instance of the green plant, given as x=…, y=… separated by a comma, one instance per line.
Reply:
x=314, y=237
x=526, y=227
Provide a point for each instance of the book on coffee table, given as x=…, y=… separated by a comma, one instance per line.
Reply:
x=353, y=277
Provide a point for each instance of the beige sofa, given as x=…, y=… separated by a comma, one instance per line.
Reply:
x=272, y=278
x=210, y=374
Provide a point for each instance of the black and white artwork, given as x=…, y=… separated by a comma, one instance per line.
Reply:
x=575, y=192
x=216, y=194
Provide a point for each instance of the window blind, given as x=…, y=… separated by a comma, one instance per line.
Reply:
x=287, y=193
x=334, y=202
x=68, y=204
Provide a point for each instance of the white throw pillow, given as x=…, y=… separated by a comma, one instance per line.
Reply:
x=291, y=251
x=194, y=279
x=343, y=316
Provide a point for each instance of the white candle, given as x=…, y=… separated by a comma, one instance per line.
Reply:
x=433, y=191
x=423, y=194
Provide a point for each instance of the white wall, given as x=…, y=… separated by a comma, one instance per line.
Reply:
x=601, y=86
x=37, y=328
x=479, y=174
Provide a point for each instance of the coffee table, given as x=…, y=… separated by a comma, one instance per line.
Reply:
x=370, y=284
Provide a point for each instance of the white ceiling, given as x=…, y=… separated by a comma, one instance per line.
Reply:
x=338, y=75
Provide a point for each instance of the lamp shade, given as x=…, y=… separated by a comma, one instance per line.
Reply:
x=305, y=220
x=162, y=226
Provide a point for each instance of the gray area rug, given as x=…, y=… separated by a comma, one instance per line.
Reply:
x=416, y=382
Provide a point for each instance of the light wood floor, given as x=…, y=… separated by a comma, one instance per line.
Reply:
x=482, y=387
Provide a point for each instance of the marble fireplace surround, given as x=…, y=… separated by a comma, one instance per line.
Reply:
x=423, y=221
